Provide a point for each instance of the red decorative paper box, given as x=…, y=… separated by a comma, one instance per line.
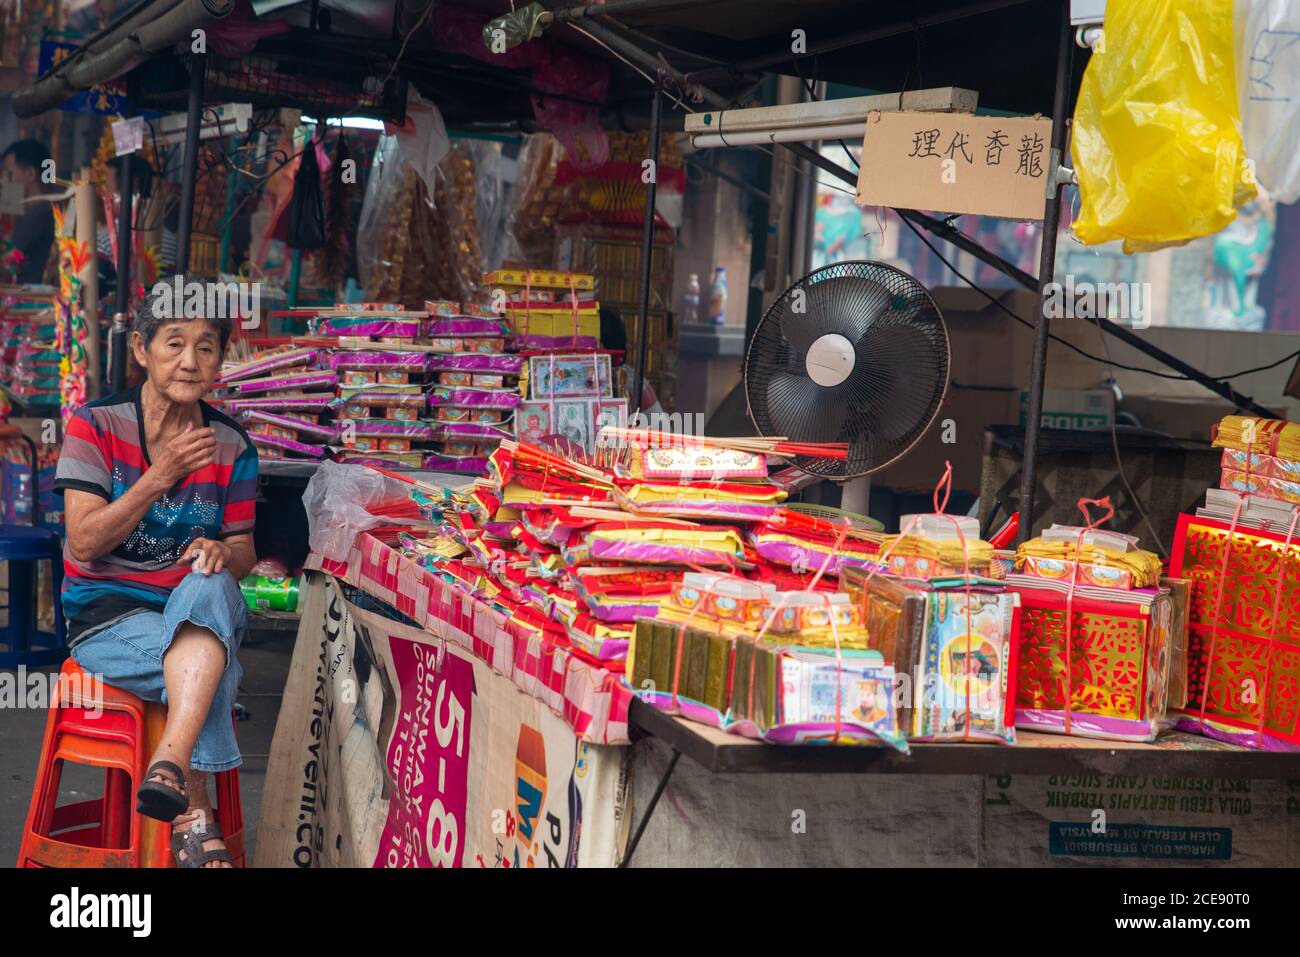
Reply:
x=1120, y=665
x=1254, y=672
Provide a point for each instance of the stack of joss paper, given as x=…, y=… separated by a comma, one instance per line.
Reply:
x=475, y=393
x=1259, y=480
x=789, y=667
x=584, y=554
x=380, y=352
x=284, y=399
x=1241, y=554
x=935, y=611
x=1121, y=665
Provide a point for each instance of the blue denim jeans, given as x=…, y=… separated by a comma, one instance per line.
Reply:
x=129, y=655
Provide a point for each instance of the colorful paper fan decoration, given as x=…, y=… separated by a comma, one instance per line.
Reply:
x=70, y=332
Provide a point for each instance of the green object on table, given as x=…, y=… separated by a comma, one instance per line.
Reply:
x=270, y=594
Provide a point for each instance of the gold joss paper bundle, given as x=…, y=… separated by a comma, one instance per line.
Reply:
x=1143, y=567
x=948, y=552
x=1277, y=437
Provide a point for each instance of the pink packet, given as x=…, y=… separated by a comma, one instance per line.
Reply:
x=304, y=403
x=448, y=463
x=377, y=361
x=258, y=367
x=457, y=430
x=473, y=398
x=391, y=428
x=326, y=432
x=287, y=445
x=310, y=380
x=478, y=362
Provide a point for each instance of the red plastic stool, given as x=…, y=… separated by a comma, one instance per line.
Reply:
x=107, y=831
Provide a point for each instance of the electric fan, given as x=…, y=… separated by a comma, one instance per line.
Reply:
x=855, y=352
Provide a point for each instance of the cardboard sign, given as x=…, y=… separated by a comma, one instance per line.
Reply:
x=956, y=163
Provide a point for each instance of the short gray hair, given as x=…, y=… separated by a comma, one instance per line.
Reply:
x=159, y=308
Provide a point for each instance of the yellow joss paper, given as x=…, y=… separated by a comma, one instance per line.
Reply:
x=1143, y=566
x=947, y=551
x=715, y=539
x=649, y=493
x=1276, y=437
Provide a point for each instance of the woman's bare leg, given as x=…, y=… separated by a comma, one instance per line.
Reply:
x=192, y=669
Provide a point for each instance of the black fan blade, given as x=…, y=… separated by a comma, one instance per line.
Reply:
x=804, y=409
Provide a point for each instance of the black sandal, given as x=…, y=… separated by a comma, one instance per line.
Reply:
x=160, y=799
x=187, y=845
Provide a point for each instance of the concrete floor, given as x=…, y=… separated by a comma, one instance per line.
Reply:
x=265, y=657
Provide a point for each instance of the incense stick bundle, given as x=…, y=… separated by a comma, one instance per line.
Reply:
x=778, y=445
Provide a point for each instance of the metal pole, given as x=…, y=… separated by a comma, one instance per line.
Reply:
x=647, y=251
x=227, y=227
x=1046, y=271
x=122, y=300
x=295, y=277
x=190, y=160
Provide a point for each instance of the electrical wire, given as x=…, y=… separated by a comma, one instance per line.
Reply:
x=424, y=15
x=1025, y=322
x=1107, y=362
x=1119, y=461
x=628, y=62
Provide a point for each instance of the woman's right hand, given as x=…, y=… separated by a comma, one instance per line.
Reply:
x=184, y=455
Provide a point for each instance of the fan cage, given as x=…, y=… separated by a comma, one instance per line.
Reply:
x=899, y=378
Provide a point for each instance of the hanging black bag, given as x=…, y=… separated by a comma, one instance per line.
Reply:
x=306, y=228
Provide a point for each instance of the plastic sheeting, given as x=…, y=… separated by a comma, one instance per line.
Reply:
x=1268, y=90
x=336, y=500
x=1157, y=147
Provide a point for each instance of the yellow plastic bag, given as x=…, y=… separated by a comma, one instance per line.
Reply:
x=1157, y=142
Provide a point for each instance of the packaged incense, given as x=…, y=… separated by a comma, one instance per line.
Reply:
x=369, y=361
x=473, y=362
x=473, y=398
x=294, y=423
x=267, y=364
x=282, y=403
x=279, y=383
x=286, y=445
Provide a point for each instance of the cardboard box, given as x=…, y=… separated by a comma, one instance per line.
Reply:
x=1182, y=418
x=1073, y=408
x=957, y=436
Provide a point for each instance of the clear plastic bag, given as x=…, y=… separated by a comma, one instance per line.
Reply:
x=1268, y=90
x=337, y=499
x=1157, y=146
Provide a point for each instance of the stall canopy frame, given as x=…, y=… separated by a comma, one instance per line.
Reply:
x=146, y=30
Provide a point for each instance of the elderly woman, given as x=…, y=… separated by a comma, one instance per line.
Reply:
x=159, y=491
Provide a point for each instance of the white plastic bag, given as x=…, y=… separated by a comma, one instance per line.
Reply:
x=336, y=499
x=1267, y=37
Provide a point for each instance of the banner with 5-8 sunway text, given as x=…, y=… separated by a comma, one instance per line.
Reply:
x=395, y=749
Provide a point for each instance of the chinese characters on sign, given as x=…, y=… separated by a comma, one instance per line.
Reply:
x=956, y=163
x=101, y=100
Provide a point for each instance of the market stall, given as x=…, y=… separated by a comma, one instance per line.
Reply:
x=517, y=610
